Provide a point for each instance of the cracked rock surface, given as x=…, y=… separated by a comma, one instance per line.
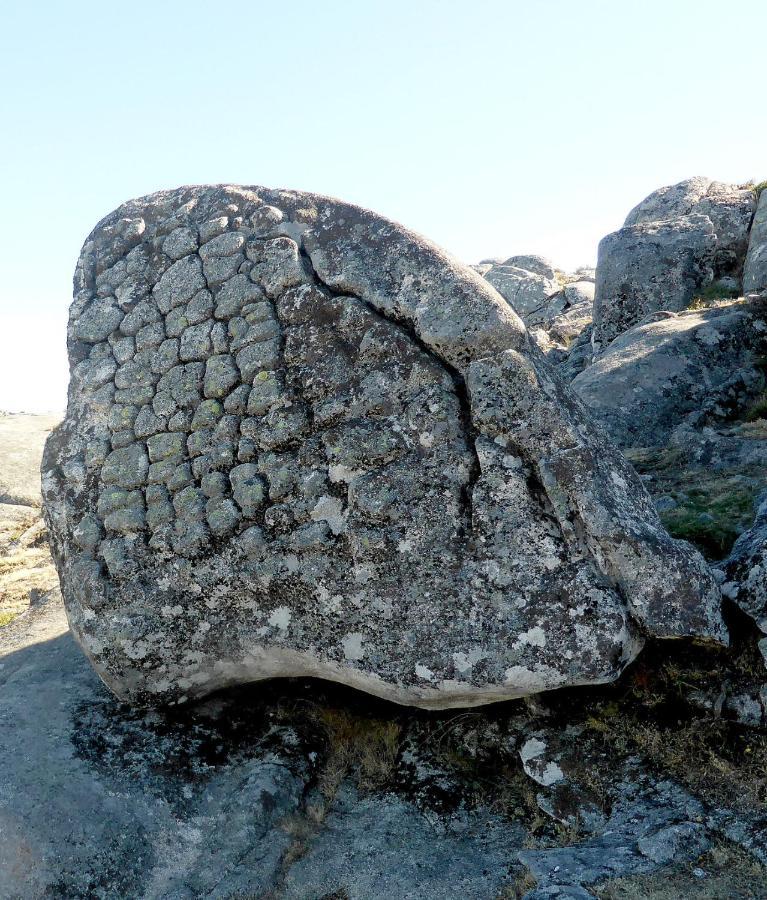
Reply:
x=301, y=440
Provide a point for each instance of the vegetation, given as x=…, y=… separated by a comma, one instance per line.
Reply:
x=712, y=508
x=758, y=410
x=758, y=188
x=713, y=295
x=26, y=568
x=657, y=710
x=724, y=871
x=365, y=748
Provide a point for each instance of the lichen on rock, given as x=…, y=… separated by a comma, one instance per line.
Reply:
x=302, y=440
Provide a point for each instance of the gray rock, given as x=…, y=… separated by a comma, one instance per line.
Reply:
x=688, y=839
x=567, y=320
x=408, y=463
x=96, y=801
x=673, y=244
x=539, y=265
x=580, y=354
x=755, y=267
x=527, y=292
x=651, y=823
x=730, y=208
x=648, y=267
x=390, y=849
x=679, y=368
x=746, y=570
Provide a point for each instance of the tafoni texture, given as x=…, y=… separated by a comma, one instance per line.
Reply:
x=302, y=440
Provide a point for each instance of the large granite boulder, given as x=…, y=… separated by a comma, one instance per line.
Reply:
x=302, y=440
x=649, y=267
x=676, y=368
x=730, y=207
x=755, y=267
x=673, y=245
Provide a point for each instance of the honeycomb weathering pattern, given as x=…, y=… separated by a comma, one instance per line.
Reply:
x=301, y=440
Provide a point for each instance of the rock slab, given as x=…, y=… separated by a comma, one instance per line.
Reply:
x=677, y=369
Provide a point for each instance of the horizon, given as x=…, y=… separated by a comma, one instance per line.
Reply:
x=494, y=130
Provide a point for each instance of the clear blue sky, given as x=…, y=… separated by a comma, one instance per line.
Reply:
x=492, y=127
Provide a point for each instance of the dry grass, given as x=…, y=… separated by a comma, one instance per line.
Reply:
x=363, y=748
x=26, y=567
x=716, y=759
x=522, y=884
x=725, y=871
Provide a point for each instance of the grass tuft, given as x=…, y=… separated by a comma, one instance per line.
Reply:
x=712, y=295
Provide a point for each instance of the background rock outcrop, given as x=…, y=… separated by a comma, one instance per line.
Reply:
x=755, y=266
x=702, y=364
x=301, y=440
x=674, y=244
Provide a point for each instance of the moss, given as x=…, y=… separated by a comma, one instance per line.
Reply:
x=713, y=507
x=713, y=294
x=7, y=617
x=712, y=513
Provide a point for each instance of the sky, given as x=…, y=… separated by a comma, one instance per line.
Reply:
x=493, y=127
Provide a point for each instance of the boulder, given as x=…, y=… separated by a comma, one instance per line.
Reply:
x=644, y=268
x=570, y=312
x=730, y=207
x=530, y=262
x=657, y=375
x=746, y=570
x=755, y=267
x=674, y=244
x=315, y=444
x=528, y=292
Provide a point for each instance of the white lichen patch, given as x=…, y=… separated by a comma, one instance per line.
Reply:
x=535, y=637
x=352, y=646
x=330, y=509
x=424, y=672
x=545, y=772
x=280, y=617
x=465, y=661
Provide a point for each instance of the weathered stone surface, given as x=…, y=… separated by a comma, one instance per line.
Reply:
x=649, y=267
x=657, y=375
x=730, y=207
x=526, y=290
x=673, y=244
x=746, y=570
x=570, y=311
x=410, y=502
x=755, y=266
x=249, y=794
